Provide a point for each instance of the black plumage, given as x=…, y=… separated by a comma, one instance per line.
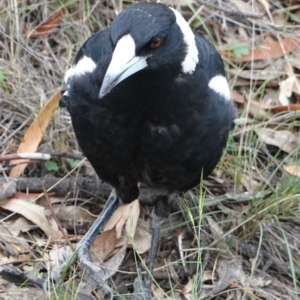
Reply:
x=160, y=126
x=149, y=104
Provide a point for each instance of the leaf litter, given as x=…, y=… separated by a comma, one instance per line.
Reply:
x=255, y=184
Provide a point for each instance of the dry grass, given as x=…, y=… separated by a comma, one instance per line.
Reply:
x=246, y=235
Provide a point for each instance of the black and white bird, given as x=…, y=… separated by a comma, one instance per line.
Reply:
x=149, y=104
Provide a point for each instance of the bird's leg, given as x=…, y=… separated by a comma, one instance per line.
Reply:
x=159, y=214
x=82, y=248
x=84, y=245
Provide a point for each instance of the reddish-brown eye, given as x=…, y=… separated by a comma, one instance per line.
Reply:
x=156, y=42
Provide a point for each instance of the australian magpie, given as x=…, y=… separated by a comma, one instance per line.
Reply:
x=150, y=104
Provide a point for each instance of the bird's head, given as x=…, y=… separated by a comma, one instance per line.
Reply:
x=144, y=36
x=152, y=36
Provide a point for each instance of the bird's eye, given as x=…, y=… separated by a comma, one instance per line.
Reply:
x=156, y=42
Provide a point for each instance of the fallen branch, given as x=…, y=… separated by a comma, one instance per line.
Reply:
x=87, y=186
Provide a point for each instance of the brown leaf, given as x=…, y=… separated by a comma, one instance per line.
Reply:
x=125, y=216
x=46, y=27
x=35, y=133
x=288, y=2
x=282, y=139
x=103, y=246
x=27, y=196
x=291, y=107
x=142, y=238
x=286, y=90
x=57, y=255
x=35, y=214
x=113, y=263
x=7, y=190
x=12, y=244
x=187, y=290
x=237, y=97
x=293, y=170
x=4, y=260
x=251, y=185
x=71, y=213
x=20, y=225
x=277, y=108
x=229, y=271
x=257, y=111
x=272, y=49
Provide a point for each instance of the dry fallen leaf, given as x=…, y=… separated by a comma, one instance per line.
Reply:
x=57, y=256
x=11, y=245
x=158, y=293
x=272, y=49
x=237, y=97
x=103, y=246
x=112, y=265
x=293, y=170
x=290, y=107
x=7, y=190
x=188, y=288
x=27, y=196
x=258, y=112
x=127, y=215
x=252, y=186
x=73, y=214
x=4, y=260
x=286, y=90
x=136, y=233
x=229, y=271
x=35, y=214
x=142, y=239
x=20, y=225
x=282, y=139
x=35, y=133
x=277, y=108
x=46, y=27
x=259, y=281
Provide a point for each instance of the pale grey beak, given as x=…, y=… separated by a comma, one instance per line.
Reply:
x=124, y=63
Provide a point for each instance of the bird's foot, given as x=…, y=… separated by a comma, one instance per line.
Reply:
x=93, y=273
x=142, y=284
x=142, y=287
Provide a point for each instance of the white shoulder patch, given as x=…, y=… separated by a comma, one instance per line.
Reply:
x=220, y=85
x=85, y=65
x=191, y=58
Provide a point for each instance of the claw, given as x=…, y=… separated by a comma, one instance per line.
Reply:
x=92, y=272
x=142, y=284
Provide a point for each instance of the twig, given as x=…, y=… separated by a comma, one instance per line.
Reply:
x=56, y=219
x=231, y=11
x=180, y=248
x=37, y=156
x=26, y=155
x=246, y=290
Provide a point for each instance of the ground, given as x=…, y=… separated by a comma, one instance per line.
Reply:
x=237, y=236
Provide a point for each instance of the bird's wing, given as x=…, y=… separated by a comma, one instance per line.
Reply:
x=209, y=58
x=212, y=68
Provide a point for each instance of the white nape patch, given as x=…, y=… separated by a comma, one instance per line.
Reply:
x=85, y=65
x=66, y=93
x=220, y=85
x=191, y=58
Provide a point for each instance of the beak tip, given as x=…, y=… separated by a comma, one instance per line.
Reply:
x=103, y=92
x=106, y=86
